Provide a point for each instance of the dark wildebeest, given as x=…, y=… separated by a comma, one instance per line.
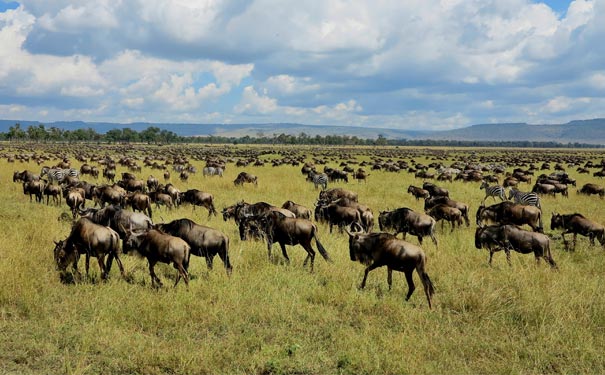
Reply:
x=133, y=185
x=405, y=220
x=184, y=176
x=243, y=213
x=91, y=239
x=333, y=194
x=365, y=212
x=361, y=175
x=200, y=198
x=335, y=214
x=418, y=192
x=544, y=189
x=435, y=190
x=589, y=189
x=384, y=249
x=174, y=192
x=511, y=213
x=54, y=191
x=509, y=237
x=152, y=183
x=300, y=211
x=35, y=188
x=161, y=199
x=578, y=224
x=157, y=246
x=107, y=194
x=291, y=231
x=431, y=202
x=204, y=241
x=446, y=213
x=117, y=218
x=75, y=200
x=140, y=202
x=245, y=177
x=109, y=174
x=25, y=176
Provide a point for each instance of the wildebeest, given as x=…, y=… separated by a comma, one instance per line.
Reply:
x=25, y=176
x=431, y=202
x=157, y=246
x=361, y=175
x=107, y=194
x=117, y=218
x=245, y=213
x=245, y=177
x=577, y=224
x=109, y=174
x=200, y=198
x=511, y=213
x=384, y=249
x=418, y=192
x=300, y=211
x=405, y=220
x=333, y=194
x=91, y=239
x=446, y=213
x=435, y=190
x=54, y=191
x=75, y=200
x=509, y=237
x=204, y=241
x=338, y=215
x=589, y=189
x=35, y=188
x=291, y=231
x=140, y=202
x=152, y=183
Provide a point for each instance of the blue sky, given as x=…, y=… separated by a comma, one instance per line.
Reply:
x=415, y=64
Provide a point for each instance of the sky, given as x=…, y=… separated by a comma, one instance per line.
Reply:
x=413, y=64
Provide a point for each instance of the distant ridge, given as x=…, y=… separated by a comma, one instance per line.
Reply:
x=580, y=131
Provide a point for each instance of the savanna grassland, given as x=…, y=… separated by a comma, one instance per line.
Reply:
x=275, y=318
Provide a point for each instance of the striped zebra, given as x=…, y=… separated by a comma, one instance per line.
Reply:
x=58, y=174
x=528, y=199
x=493, y=191
x=318, y=179
x=212, y=171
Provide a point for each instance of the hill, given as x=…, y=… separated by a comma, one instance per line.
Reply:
x=580, y=131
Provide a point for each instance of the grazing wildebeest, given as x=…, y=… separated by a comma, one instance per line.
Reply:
x=109, y=174
x=405, y=220
x=161, y=199
x=384, y=249
x=578, y=224
x=507, y=237
x=446, y=213
x=435, y=190
x=140, y=202
x=291, y=231
x=157, y=246
x=245, y=213
x=300, y=211
x=91, y=239
x=166, y=175
x=35, y=188
x=361, y=175
x=245, y=177
x=335, y=214
x=544, y=189
x=54, y=191
x=200, y=198
x=431, y=202
x=204, y=241
x=333, y=194
x=117, y=218
x=589, y=189
x=418, y=192
x=184, y=176
x=511, y=213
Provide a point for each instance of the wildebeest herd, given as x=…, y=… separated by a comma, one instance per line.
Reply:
x=119, y=217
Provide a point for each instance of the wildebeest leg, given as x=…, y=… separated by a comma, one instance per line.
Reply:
x=390, y=277
x=118, y=260
x=491, y=255
x=367, y=271
x=283, y=251
x=182, y=273
x=433, y=238
x=104, y=272
x=575, y=235
x=410, y=280
x=419, y=238
x=310, y=254
x=209, y=261
x=507, y=251
x=154, y=277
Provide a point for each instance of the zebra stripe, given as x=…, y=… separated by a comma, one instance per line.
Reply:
x=58, y=174
x=493, y=191
x=528, y=199
x=319, y=179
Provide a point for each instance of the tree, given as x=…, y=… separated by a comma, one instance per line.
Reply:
x=16, y=133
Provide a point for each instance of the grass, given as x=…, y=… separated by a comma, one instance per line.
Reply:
x=275, y=318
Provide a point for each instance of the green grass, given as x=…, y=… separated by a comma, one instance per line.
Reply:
x=274, y=318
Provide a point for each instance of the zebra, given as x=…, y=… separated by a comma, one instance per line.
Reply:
x=212, y=171
x=318, y=179
x=493, y=191
x=528, y=199
x=58, y=174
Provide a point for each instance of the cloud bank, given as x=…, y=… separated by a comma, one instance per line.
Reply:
x=430, y=64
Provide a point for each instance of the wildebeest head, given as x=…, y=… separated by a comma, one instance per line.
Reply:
x=62, y=255
x=356, y=245
x=556, y=221
x=133, y=240
x=384, y=220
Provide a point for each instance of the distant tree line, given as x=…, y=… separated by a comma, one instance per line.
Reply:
x=155, y=135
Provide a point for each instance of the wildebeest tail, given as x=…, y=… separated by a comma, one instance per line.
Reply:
x=149, y=208
x=549, y=258
x=322, y=250
x=540, y=224
x=426, y=280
